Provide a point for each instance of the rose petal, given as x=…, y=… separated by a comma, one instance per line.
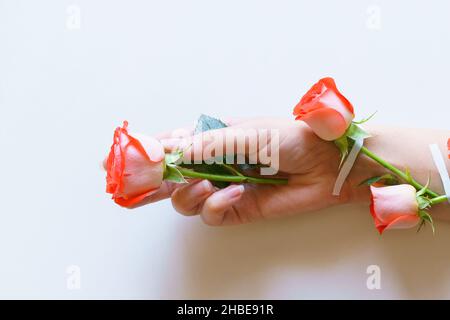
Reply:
x=403, y=222
x=327, y=123
x=132, y=201
x=152, y=146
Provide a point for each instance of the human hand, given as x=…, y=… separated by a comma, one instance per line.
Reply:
x=310, y=164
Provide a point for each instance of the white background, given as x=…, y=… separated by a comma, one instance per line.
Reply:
x=159, y=64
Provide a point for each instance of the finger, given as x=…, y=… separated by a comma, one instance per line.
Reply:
x=188, y=199
x=176, y=133
x=230, y=121
x=174, y=139
x=187, y=131
x=216, y=206
x=246, y=143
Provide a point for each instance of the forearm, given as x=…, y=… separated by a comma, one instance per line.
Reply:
x=404, y=148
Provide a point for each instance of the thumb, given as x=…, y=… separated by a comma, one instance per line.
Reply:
x=220, y=204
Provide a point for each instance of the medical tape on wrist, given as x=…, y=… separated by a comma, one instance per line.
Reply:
x=347, y=166
x=442, y=169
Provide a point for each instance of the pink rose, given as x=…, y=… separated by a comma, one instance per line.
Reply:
x=326, y=111
x=135, y=167
x=394, y=207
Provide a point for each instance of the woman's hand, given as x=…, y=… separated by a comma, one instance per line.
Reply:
x=310, y=164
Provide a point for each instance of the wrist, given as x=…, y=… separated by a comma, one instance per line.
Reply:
x=389, y=145
x=363, y=169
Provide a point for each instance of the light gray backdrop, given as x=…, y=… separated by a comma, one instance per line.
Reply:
x=71, y=71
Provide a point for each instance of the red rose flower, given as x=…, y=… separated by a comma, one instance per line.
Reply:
x=135, y=167
x=394, y=207
x=327, y=112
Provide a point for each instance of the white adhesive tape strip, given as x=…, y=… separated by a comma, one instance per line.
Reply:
x=442, y=169
x=347, y=166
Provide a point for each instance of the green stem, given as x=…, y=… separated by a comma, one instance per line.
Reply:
x=232, y=170
x=188, y=173
x=398, y=172
x=438, y=200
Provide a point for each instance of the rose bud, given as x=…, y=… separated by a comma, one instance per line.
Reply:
x=326, y=111
x=135, y=167
x=394, y=207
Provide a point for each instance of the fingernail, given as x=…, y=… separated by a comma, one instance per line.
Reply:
x=200, y=188
x=234, y=191
x=205, y=186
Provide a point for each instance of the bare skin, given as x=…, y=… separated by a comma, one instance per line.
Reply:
x=311, y=165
